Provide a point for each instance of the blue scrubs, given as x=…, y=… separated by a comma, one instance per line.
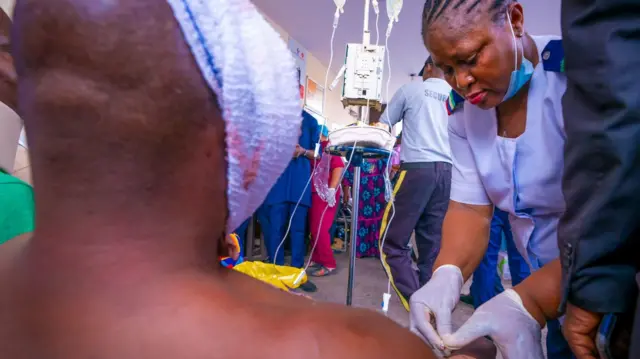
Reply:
x=487, y=284
x=278, y=208
x=486, y=281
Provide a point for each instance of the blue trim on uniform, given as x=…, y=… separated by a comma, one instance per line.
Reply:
x=553, y=56
x=454, y=102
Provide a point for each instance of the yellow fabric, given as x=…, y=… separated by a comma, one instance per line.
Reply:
x=282, y=277
x=383, y=228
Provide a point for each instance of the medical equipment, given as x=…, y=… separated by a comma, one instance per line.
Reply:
x=363, y=75
x=393, y=10
x=366, y=136
x=316, y=152
x=357, y=154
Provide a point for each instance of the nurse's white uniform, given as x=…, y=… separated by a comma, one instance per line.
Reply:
x=521, y=176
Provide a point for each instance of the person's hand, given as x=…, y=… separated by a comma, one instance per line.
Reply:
x=580, y=328
x=331, y=197
x=504, y=319
x=300, y=151
x=436, y=299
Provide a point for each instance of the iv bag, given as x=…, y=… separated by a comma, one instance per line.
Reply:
x=393, y=9
x=340, y=4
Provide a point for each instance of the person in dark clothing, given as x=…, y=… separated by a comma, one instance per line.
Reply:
x=599, y=234
x=424, y=181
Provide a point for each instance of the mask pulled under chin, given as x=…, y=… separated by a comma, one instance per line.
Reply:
x=519, y=76
x=251, y=71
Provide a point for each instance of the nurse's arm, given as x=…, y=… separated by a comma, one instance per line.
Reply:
x=465, y=236
x=540, y=292
x=336, y=175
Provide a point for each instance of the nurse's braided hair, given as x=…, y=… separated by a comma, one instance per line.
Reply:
x=435, y=9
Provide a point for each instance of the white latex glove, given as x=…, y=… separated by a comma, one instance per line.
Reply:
x=331, y=197
x=438, y=297
x=504, y=318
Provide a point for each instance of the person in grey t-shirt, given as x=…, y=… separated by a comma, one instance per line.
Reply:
x=424, y=181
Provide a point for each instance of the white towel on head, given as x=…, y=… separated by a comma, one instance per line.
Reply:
x=252, y=73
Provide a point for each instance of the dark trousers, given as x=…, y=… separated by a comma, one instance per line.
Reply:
x=421, y=201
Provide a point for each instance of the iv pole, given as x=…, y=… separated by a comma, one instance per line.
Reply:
x=357, y=154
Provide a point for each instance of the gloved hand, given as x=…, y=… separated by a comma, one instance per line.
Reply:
x=504, y=318
x=438, y=298
x=331, y=197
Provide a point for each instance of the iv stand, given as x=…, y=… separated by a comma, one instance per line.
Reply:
x=357, y=154
x=356, y=162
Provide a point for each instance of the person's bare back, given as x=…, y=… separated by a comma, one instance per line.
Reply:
x=127, y=146
x=187, y=314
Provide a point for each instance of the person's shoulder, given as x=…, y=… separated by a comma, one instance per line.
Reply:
x=552, y=54
x=308, y=119
x=363, y=334
x=455, y=103
x=411, y=89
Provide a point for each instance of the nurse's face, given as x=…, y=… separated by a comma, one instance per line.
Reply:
x=476, y=53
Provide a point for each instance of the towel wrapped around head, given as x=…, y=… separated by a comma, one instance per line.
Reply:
x=252, y=73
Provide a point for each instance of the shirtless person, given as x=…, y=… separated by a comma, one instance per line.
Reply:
x=127, y=145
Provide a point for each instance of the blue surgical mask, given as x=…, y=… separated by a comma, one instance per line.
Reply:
x=520, y=76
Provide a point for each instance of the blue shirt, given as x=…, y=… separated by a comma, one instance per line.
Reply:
x=292, y=182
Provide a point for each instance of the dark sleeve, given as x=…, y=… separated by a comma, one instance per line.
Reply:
x=311, y=126
x=315, y=135
x=598, y=234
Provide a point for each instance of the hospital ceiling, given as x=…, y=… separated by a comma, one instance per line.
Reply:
x=310, y=21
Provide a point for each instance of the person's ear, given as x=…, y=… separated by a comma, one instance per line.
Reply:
x=230, y=246
x=516, y=13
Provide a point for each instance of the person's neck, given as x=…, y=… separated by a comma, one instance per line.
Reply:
x=530, y=49
x=520, y=98
x=98, y=234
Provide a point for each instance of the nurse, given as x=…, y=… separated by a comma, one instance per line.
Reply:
x=506, y=134
x=287, y=204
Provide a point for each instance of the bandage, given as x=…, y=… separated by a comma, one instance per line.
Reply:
x=250, y=70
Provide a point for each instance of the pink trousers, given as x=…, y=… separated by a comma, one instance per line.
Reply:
x=323, y=254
